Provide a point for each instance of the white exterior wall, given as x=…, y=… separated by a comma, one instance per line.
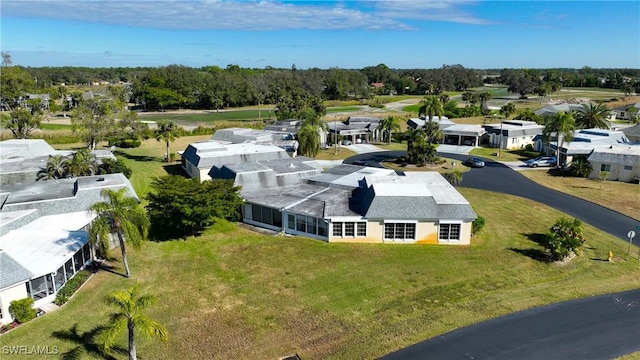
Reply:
x=519, y=142
x=8, y=295
x=616, y=173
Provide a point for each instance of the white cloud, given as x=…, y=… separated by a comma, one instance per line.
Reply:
x=243, y=15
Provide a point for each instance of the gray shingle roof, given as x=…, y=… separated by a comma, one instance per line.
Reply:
x=11, y=272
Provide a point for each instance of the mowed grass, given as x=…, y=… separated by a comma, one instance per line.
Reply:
x=505, y=155
x=209, y=116
x=616, y=195
x=236, y=294
x=444, y=167
x=343, y=109
x=330, y=153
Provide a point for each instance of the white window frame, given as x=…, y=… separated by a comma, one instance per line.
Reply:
x=355, y=228
x=449, y=223
x=414, y=223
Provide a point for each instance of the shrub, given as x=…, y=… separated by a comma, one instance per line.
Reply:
x=580, y=167
x=564, y=237
x=71, y=286
x=477, y=225
x=125, y=143
x=110, y=166
x=22, y=310
x=528, y=147
x=203, y=130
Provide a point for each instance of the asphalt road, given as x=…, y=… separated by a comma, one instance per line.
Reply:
x=601, y=327
x=499, y=178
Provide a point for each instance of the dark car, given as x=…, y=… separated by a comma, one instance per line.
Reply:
x=473, y=162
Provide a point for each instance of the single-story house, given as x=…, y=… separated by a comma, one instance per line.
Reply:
x=584, y=141
x=632, y=133
x=43, y=235
x=22, y=159
x=551, y=110
x=622, y=162
x=284, y=140
x=351, y=203
x=468, y=135
x=356, y=129
x=511, y=134
x=199, y=158
x=623, y=113
x=418, y=123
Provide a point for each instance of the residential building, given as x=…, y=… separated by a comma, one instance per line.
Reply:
x=282, y=139
x=632, y=133
x=512, y=134
x=199, y=158
x=356, y=129
x=43, y=235
x=584, y=141
x=622, y=162
x=443, y=122
x=468, y=135
x=21, y=160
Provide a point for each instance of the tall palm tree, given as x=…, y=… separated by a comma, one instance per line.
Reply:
x=430, y=107
x=563, y=125
x=129, y=315
x=56, y=168
x=484, y=97
x=124, y=216
x=82, y=163
x=592, y=116
x=388, y=126
x=168, y=132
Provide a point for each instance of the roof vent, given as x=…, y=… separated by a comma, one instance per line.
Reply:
x=100, y=179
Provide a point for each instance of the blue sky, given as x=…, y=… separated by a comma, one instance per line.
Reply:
x=346, y=34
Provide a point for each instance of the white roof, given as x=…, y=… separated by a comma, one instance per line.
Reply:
x=43, y=245
x=441, y=190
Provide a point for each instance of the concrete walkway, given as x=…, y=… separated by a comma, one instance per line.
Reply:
x=363, y=148
x=455, y=149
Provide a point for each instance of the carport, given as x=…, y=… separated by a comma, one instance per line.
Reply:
x=468, y=135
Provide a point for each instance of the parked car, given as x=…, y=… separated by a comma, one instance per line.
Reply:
x=542, y=161
x=473, y=162
x=346, y=142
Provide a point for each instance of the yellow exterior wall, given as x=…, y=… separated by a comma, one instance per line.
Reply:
x=7, y=296
x=426, y=233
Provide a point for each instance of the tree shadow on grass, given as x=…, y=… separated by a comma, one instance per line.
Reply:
x=111, y=269
x=87, y=343
x=143, y=158
x=535, y=254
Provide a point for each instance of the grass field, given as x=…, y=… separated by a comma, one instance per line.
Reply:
x=343, y=109
x=235, y=294
x=48, y=126
x=619, y=196
x=232, y=293
x=442, y=168
x=209, y=116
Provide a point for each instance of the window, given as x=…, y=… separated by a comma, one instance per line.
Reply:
x=301, y=223
x=628, y=168
x=605, y=167
x=362, y=229
x=292, y=221
x=349, y=229
x=337, y=229
x=322, y=227
x=256, y=214
x=449, y=232
x=400, y=231
x=312, y=225
x=68, y=268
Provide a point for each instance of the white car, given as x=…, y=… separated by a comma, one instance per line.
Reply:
x=542, y=161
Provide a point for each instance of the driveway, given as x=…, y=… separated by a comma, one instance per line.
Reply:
x=362, y=148
x=455, y=149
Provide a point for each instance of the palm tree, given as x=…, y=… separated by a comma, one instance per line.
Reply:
x=309, y=140
x=592, y=116
x=484, y=97
x=82, y=163
x=124, y=216
x=508, y=109
x=432, y=132
x=129, y=315
x=563, y=125
x=167, y=131
x=389, y=126
x=56, y=168
x=430, y=107
x=581, y=167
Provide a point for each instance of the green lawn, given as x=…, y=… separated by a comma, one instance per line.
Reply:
x=505, y=155
x=232, y=293
x=343, y=109
x=48, y=126
x=209, y=116
x=235, y=294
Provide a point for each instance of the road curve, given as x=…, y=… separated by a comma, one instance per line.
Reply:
x=500, y=178
x=601, y=327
